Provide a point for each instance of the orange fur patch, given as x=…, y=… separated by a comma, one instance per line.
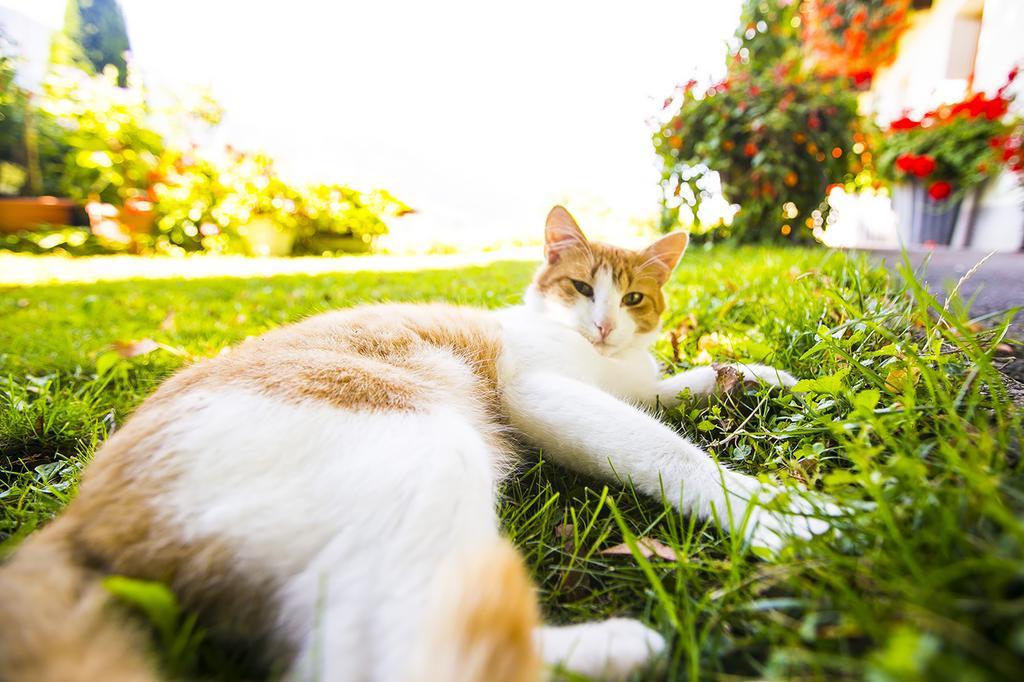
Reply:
x=481, y=623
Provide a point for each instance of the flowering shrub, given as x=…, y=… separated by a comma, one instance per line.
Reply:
x=776, y=135
x=853, y=38
x=955, y=147
x=777, y=144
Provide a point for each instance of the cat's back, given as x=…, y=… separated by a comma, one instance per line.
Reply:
x=377, y=357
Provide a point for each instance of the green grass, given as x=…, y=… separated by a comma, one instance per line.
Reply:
x=925, y=581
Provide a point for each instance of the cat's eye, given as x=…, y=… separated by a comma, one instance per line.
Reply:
x=632, y=298
x=584, y=288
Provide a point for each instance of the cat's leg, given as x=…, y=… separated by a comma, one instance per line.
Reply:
x=612, y=649
x=705, y=381
x=591, y=431
x=383, y=500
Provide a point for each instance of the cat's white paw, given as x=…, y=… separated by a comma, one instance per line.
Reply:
x=769, y=375
x=772, y=522
x=612, y=649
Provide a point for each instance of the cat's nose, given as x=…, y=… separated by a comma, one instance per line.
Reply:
x=604, y=328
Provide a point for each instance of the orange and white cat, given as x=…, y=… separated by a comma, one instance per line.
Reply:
x=326, y=492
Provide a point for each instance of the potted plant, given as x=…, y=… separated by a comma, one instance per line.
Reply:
x=258, y=203
x=19, y=160
x=338, y=219
x=110, y=149
x=936, y=160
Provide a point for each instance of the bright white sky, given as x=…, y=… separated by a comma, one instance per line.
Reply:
x=479, y=114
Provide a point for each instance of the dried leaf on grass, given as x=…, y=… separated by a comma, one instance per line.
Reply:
x=648, y=547
x=168, y=324
x=133, y=349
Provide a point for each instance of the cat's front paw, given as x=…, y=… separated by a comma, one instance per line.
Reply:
x=769, y=375
x=613, y=649
x=729, y=376
x=771, y=527
x=770, y=517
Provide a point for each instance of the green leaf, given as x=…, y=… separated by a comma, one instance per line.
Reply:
x=866, y=401
x=832, y=384
x=705, y=426
x=107, y=362
x=154, y=599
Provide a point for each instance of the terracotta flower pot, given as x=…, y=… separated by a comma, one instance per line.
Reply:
x=138, y=217
x=27, y=213
x=119, y=224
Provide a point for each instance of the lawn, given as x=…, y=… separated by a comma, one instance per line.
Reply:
x=905, y=421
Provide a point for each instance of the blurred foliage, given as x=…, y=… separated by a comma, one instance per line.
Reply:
x=94, y=37
x=776, y=134
x=203, y=200
x=108, y=147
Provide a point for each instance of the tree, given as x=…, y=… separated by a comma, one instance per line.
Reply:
x=94, y=35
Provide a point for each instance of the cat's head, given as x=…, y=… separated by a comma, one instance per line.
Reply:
x=610, y=295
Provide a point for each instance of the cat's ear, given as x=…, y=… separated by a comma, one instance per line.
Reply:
x=561, y=233
x=661, y=257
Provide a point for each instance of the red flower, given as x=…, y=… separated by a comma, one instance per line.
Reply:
x=750, y=149
x=996, y=108
x=939, y=190
x=920, y=166
x=861, y=78
x=923, y=165
x=906, y=162
x=905, y=123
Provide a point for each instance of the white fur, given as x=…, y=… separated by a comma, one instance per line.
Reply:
x=352, y=513
x=612, y=649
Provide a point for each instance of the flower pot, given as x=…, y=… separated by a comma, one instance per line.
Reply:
x=263, y=237
x=922, y=219
x=26, y=213
x=344, y=243
x=137, y=216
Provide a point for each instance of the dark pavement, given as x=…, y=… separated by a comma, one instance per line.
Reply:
x=997, y=286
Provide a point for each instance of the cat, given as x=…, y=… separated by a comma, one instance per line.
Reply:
x=326, y=492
